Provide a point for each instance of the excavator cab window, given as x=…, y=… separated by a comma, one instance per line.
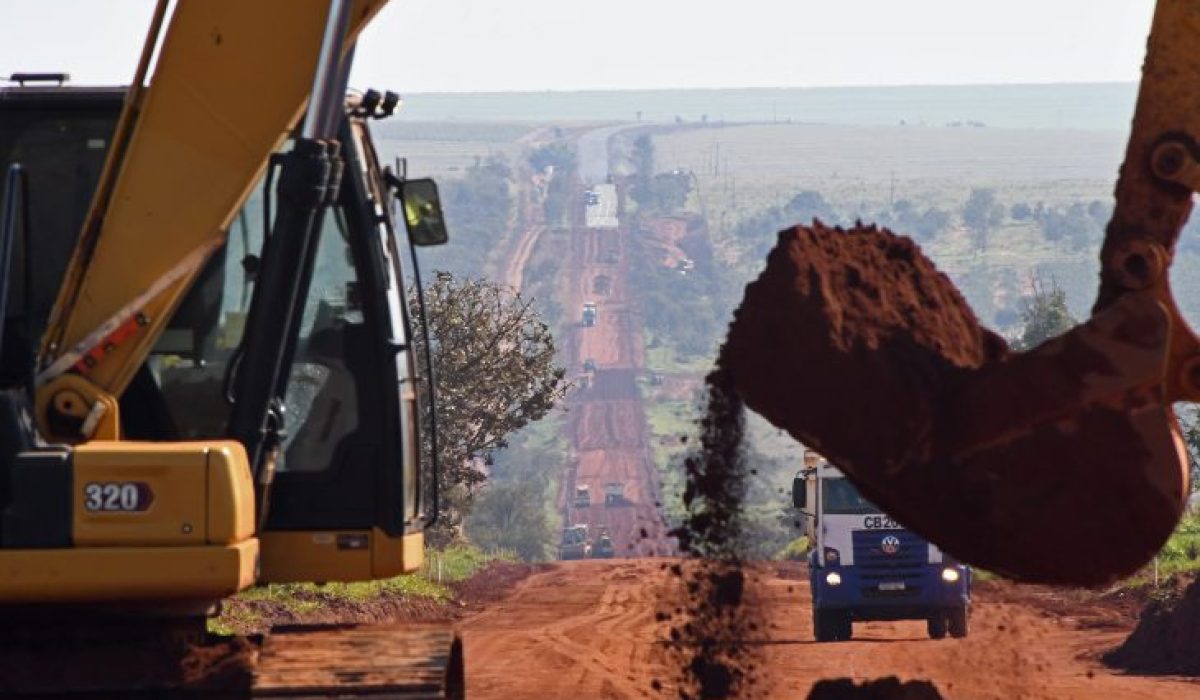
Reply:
x=60, y=137
x=322, y=399
x=342, y=466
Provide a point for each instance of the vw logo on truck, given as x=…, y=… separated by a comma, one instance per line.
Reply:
x=890, y=544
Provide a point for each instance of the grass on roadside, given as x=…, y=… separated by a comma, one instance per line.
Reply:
x=432, y=582
x=1180, y=555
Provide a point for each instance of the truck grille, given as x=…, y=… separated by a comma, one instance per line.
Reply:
x=875, y=565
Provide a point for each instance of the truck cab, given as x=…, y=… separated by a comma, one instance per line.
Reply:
x=864, y=566
x=583, y=496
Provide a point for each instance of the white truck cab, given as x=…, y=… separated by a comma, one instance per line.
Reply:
x=865, y=566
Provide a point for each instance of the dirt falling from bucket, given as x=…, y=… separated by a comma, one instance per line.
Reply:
x=869, y=289
x=713, y=631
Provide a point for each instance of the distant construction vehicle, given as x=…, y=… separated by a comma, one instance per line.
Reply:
x=589, y=314
x=865, y=566
x=575, y=543
x=583, y=497
x=603, y=547
x=614, y=493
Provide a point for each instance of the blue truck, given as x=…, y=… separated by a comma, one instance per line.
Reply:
x=865, y=566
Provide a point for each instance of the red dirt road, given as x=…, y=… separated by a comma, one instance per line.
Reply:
x=607, y=423
x=588, y=630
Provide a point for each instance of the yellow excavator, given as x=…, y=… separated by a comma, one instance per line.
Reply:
x=225, y=389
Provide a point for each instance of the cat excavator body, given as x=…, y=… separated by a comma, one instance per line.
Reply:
x=225, y=392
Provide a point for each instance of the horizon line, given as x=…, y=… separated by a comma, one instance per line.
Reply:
x=525, y=91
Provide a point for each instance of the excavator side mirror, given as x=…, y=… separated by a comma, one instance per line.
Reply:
x=799, y=492
x=423, y=212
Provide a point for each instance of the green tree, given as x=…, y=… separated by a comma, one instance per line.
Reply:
x=1045, y=315
x=669, y=192
x=643, y=156
x=511, y=516
x=559, y=154
x=493, y=359
x=479, y=210
x=981, y=214
x=1189, y=422
x=808, y=205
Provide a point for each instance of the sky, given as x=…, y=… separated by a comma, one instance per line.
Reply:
x=535, y=45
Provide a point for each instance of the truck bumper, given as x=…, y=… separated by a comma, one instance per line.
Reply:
x=884, y=599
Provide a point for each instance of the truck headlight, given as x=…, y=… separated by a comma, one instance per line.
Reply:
x=950, y=575
x=832, y=556
x=833, y=578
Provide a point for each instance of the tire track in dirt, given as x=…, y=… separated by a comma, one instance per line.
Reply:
x=567, y=634
x=588, y=629
x=1013, y=651
x=514, y=270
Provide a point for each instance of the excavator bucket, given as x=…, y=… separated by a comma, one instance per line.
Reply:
x=1059, y=465
x=1063, y=464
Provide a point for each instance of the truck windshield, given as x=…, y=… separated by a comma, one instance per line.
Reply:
x=838, y=496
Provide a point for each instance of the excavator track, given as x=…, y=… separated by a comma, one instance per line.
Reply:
x=394, y=661
x=162, y=659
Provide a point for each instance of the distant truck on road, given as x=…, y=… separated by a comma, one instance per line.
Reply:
x=589, y=314
x=603, y=548
x=865, y=566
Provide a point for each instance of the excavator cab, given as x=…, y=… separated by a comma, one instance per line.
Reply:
x=347, y=497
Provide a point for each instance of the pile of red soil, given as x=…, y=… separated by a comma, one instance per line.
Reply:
x=1167, y=638
x=855, y=344
x=882, y=689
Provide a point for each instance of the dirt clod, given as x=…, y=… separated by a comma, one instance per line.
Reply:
x=889, y=688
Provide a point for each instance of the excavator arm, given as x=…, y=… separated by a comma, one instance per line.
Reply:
x=1061, y=464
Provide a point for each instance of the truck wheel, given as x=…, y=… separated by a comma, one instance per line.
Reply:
x=936, y=626
x=958, y=622
x=823, y=626
x=845, y=627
